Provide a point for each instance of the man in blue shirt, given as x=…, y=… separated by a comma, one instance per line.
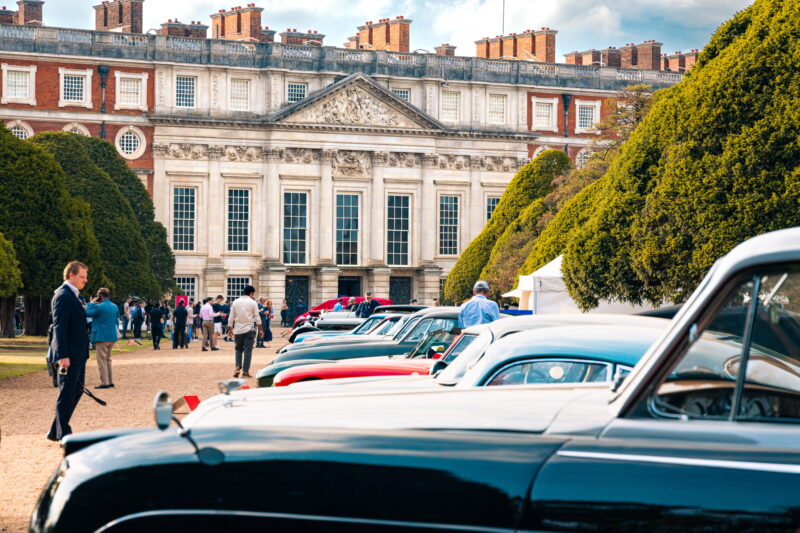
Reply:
x=479, y=310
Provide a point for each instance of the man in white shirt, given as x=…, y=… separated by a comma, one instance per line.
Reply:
x=244, y=321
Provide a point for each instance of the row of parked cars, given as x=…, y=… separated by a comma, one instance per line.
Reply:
x=549, y=423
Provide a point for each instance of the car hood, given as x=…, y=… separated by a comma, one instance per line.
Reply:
x=342, y=351
x=514, y=408
x=339, y=340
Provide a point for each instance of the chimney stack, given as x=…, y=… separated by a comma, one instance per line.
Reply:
x=29, y=12
x=123, y=16
x=240, y=24
x=389, y=34
x=445, y=50
x=177, y=28
x=530, y=45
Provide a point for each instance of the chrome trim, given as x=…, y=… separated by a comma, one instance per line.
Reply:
x=779, y=468
x=339, y=519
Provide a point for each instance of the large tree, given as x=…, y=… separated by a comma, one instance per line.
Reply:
x=162, y=260
x=532, y=181
x=127, y=262
x=716, y=161
x=47, y=227
x=10, y=283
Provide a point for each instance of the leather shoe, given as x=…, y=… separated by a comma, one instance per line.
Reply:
x=214, y=349
x=205, y=349
x=51, y=437
x=103, y=386
x=246, y=374
x=236, y=372
x=111, y=386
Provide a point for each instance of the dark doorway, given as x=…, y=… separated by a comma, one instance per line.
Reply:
x=349, y=286
x=296, y=288
x=400, y=290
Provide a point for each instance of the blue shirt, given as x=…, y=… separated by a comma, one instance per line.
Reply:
x=337, y=307
x=479, y=310
x=104, y=325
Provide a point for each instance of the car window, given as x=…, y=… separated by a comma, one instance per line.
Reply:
x=384, y=327
x=407, y=325
x=758, y=326
x=436, y=338
x=420, y=330
x=551, y=371
x=471, y=354
x=458, y=347
x=367, y=325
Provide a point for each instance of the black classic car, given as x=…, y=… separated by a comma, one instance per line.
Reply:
x=702, y=436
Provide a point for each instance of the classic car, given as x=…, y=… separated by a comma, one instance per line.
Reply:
x=363, y=326
x=328, y=305
x=467, y=353
x=701, y=436
x=412, y=331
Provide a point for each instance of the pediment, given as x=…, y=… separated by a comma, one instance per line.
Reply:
x=357, y=101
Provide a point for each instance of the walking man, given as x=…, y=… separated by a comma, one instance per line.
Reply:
x=479, y=310
x=104, y=333
x=70, y=347
x=180, y=316
x=207, y=316
x=244, y=322
x=137, y=317
x=125, y=316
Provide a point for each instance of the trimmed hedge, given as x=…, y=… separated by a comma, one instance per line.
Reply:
x=716, y=161
x=532, y=181
x=121, y=244
x=162, y=260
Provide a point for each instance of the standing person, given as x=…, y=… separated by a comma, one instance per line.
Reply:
x=181, y=315
x=284, y=313
x=165, y=312
x=147, y=308
x=261, y=315
x=137, y=318
x=479, y=309
x=436, y=302
x=217, y=306
x=125, y=315
x=198, y=322
x=70, y=347
x=207, y=315
x=352, y=304
x=339, y=305
x=189, y=322
x=367, y=307
x=104, y=333
x=225, y=309
x=156, y=321
x=300, y=308
x=269, y=315
x=244, y=323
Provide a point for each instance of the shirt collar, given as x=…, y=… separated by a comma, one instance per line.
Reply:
x=479, y=296
x=73, y=287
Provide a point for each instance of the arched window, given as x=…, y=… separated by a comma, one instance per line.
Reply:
x=74, y=127
x=20, y=129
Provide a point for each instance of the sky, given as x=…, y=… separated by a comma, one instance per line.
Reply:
x=581, y=24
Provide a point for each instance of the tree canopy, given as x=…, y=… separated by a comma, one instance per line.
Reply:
x=531, y=182
x=122, y=248
x=714, y=162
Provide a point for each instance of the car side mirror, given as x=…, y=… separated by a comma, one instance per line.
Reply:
x=438, y=366
x=162, y=407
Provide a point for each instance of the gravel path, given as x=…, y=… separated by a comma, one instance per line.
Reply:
x=27, y=404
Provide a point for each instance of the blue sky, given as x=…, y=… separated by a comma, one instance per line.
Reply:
x=679, y=24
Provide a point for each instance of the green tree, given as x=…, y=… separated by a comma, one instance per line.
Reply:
x=714, y=162
x=127, y=263
x=162, y=260
x=531, y=182
x=10, y=283
x=46, y=226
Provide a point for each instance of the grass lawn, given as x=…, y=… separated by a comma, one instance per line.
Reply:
x=25, y=355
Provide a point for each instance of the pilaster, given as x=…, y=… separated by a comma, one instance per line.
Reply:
x=427, y=286
x=326, y=220
x=429, y=209
x=379, y=281
x=215, y=206
x=271, y=280
x=214, y=275
x=377, y=211
x=328, y=282
x=273, y=202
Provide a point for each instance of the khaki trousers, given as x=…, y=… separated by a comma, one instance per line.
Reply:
x=208, y=334
x=103, y=350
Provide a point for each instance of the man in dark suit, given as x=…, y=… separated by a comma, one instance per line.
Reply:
x=179, y=330
x=70, y=347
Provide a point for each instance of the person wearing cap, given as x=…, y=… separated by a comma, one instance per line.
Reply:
x=367, y=307
x=479, y=309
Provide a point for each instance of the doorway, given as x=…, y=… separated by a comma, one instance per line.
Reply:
x=349, y=286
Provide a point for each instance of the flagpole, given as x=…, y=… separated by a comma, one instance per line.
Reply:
x=503, y=26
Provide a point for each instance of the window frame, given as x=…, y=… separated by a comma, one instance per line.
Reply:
x=247, y=226
x=142, y=142
x=195, y=283
x=408, y=234
x=194, y=92
x=439, y=224
x=587, y=103
x=20, y=124
x=306, y=240
x=76, y=126
x=173, y=218
x=298, y=84
x=232, y=297
x=357, y=230
x=407, y=90
x=457, y=109
x=142, y=78
x=553, y=113
x=489, y=110
x=30, y=99
x=249, y=106
x=486, y=203
x=87, y=87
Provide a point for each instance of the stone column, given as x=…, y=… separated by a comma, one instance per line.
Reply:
x=161, y=195
x=273, y=203
x=429, y=225
x=377, y=212
x=215, y=204
x=477, y=206
x=271, y=282
x=428, y=283
x=214, y=275
x=379, y=281
x=328, y=286
x=326, y=220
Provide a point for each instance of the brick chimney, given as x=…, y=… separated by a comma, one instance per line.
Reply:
x=176, y=28
x=240, y=24
x=691, y=59
x=393, y=35
x=300, y=38
x=629, y=57
x=649, y=53
x=445, y=50
x=591, y=57
x=7, y=16
x=574, y=58
x=611, y=57
x=676, y=62
x=509, y=48
x=29, y=12
x=526, y=45
x=545, y=45
x=120, y=15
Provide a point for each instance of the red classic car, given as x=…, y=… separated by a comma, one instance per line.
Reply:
x=327, y=305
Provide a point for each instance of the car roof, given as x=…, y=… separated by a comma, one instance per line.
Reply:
x=437, y=311
x=399, y=308
x=612, y=343
x=499, y=328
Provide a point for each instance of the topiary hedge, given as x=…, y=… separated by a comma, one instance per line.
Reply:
x=532, y=181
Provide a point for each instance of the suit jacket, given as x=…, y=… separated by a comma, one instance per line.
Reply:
x=70, y=338
x=104, y=324
x=180, y=314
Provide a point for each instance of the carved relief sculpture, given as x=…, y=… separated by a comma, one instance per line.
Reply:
x=454, y=162
x=352, y=163
x=303, y=156
x=403, y=160
x=244, y=153
x=181, y=151
x=353, y=106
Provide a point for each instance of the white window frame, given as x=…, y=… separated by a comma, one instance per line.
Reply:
x=442, y=116
x=87, y=87
x=249, y=94
x=187, y=277
x=587, y=103
x=486, y=205
x=194, y=226
x=359, y=230
x=24, y=125
x=308, y=225
x=142, y=77
x=305, y=95
x=142, y=142
x=459, y=225
x=28, y=100
x=407, y=91
x=553, y=113
x=249, y=228
x=504, y=120
x=75, y=126
x=175, y=89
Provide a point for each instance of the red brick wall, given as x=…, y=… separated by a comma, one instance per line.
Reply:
x=400, y=35
x=546, y=46
x=604, y=111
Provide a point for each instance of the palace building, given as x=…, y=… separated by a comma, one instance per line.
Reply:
x=303, y=169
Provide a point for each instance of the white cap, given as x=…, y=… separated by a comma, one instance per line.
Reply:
x=481, y=285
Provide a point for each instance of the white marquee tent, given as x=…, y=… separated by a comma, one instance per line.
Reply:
x=544, y=292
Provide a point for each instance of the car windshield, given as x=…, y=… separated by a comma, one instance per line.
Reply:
x=440, y=338
x=400, y=333
x=428, y=324
x=367, y=325
x=466, y=360
x=385, y=327
x=457, y=348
